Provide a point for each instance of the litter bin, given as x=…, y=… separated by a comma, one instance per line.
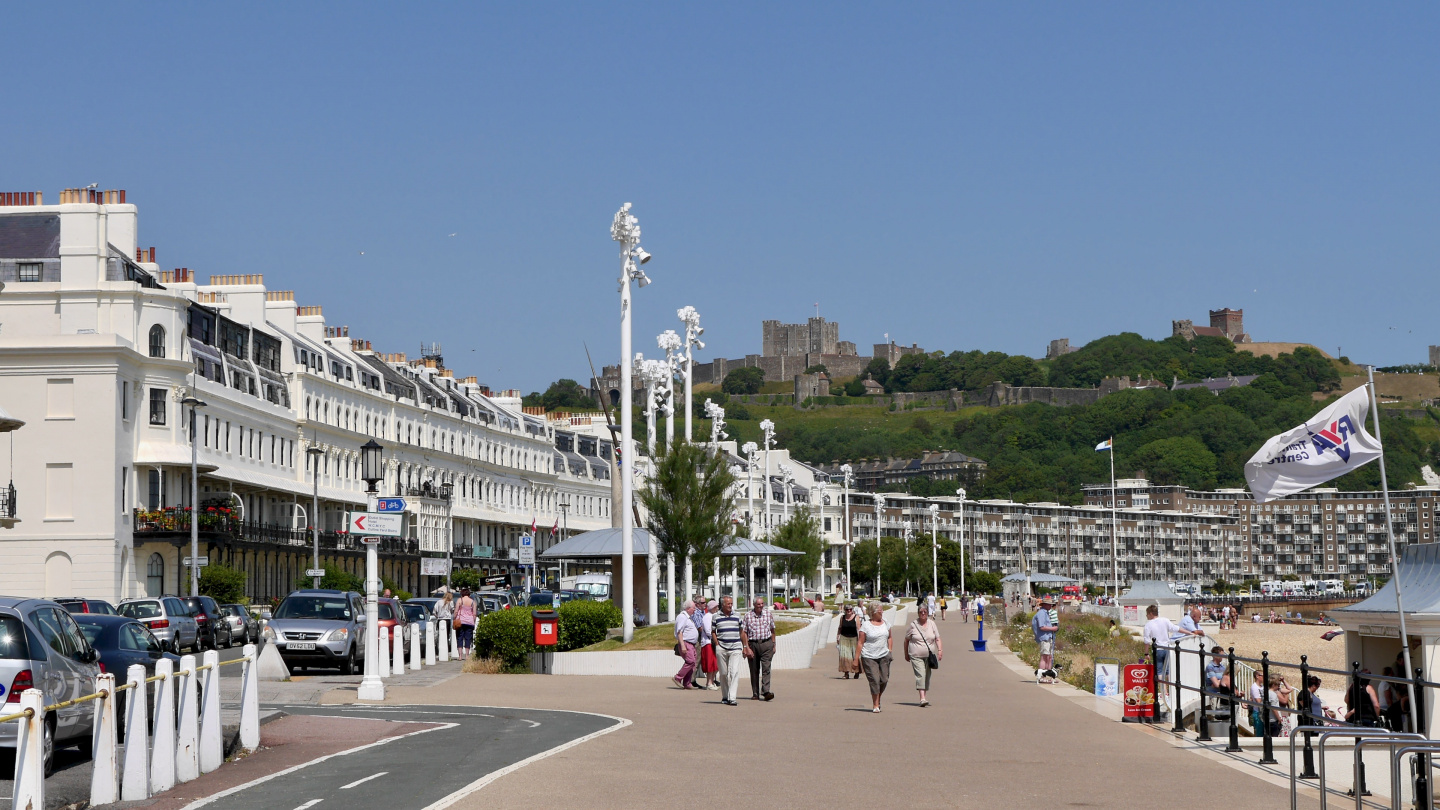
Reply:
x=546, y=624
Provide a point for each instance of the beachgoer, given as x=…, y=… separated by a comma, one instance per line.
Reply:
x=964, y=609
x=709, y=664
x=1362, y=706
x=845, y=640
x=873, y=654
x=1158, y=630
x=465, y=613
x=922, y=639
x=757, y=636
x=1044, y=627
x=729, y=649
x=943, y=606
x=687, y=636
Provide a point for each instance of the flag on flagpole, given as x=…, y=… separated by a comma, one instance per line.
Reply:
x=556, y=528
x=1332, y=443
x=1108, y=444
x=532, y=525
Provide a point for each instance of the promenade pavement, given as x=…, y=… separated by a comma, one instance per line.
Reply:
x=991, y=739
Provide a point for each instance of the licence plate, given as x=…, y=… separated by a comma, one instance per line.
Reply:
x=300, y=645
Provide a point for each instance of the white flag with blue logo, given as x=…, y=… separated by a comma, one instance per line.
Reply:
x=1332, y=443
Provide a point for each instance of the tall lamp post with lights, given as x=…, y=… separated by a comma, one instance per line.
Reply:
x=371, y=687
x=625, y=229
x=671, y=343
x=447, y=493
x=750, y=450
x=935, y=549
x=314, y=453
x=693, y=331
x=192, y=403
x=847, y=474
x=961, y=492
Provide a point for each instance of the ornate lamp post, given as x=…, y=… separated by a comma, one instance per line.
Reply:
x=671, y=343
x=750, y=450
x=935, y=549
x=192, y=403
x=820, y=488
x=848, y=479
x=693, y=331
x=625, y=229
x=652, y=373
x=768, y=428
x=787, y=480
x=371, y=687
x=447, y=493
x=961, y=493
x=717, y=421
x=314, y=453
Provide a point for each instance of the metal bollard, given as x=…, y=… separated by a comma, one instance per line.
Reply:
x=187, y=721
x=398, y=667
x=1267, y=752
x=162, y=752
x=1179, y=726
x=1234, y=708
x=415, y=651
x=29, y=785
x=250, y=699
x=105, y=773
x=212, y=750
x=136, y=782
x=1201, y=724
x=1155, y=713
x=382, y=667
x=432, y=628
x=1307, y=770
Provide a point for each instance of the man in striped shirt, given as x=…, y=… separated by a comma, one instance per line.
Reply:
x=729, y=649
x=757, y=634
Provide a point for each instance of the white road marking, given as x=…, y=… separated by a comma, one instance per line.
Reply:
x=263, y=779
x=310, y=803
x=363, y=781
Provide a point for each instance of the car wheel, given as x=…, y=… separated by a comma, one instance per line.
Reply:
x=48, y=761
x=347, y=667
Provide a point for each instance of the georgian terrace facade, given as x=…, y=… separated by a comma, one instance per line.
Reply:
x=98, y=347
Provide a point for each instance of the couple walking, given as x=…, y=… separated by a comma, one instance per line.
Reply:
x=869, y=645
x=733, y=637
x=695, y=644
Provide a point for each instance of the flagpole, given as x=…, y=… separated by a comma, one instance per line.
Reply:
x=1394, y=557
x=1114, y=522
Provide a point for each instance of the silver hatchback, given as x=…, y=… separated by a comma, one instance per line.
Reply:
x=167, y=618
x=41, y=647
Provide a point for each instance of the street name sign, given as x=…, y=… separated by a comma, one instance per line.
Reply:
x=204, y=561
x=314, y=572
x=377, y=524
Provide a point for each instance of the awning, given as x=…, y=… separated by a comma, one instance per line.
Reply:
x=1420, y=571
x=599, y=543
x=746, y=547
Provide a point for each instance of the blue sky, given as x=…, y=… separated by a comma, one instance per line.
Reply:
x=961, y=176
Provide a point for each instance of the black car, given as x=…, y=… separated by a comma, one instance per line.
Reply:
x=79, y=604
x=541, y=599
x=213, y=626
x=122, y=642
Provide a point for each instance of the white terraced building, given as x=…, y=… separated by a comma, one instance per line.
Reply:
x=98, y=347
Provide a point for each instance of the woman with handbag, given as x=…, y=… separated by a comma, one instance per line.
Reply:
x=873, y=653
x=464, y=623
x=923, y=649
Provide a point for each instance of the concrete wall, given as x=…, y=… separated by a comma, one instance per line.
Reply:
x=792, y=651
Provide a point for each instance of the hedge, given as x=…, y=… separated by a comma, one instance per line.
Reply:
x=508, y=635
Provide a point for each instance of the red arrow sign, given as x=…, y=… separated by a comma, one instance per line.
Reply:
x=360, y=523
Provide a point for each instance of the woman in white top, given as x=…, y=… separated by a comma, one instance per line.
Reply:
x=873, y=654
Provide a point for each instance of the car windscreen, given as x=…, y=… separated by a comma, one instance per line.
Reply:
x=387, y=610
x=333, y=608
x=141, y=610
x=12, y=638
x=415, y=613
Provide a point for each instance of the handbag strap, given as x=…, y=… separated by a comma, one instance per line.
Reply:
x=916, y=625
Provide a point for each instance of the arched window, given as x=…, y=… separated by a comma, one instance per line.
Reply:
x=155, y=575
x=157, y=341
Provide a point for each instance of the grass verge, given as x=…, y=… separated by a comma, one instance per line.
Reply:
x=1082, y=639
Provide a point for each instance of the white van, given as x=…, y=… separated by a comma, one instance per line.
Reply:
x=597, y=585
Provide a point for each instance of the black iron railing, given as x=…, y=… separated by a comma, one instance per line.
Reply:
x=7, y=501
x=223, y=521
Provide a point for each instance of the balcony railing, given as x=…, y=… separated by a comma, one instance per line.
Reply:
x=222, y=521
x=7, y=501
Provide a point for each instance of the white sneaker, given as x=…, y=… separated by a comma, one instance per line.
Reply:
x=712, y=687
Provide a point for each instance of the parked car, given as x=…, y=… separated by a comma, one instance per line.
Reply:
x=211, y=622
x=570, y=595
x=79, y=604
x=319, y=628
x=504, y=599
x=41, y=647
x=543, y=599
x=263, y=611
x=392, y=615
x=416, y=611
x=243, y=627
x=123, y=642
x=168, y=618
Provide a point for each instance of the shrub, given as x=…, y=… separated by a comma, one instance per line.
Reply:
x=747, y=380
x=583, y=622
x=223, y=584
x=465, y=578
x=506, y=635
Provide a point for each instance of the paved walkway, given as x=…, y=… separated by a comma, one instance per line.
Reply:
x=990, y=739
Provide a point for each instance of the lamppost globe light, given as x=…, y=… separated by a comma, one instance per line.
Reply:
x=370, y=463
x=192, y=402
x=447, y=489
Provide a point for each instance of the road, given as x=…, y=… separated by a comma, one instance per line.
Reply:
x=71, y=781
x=440, y=753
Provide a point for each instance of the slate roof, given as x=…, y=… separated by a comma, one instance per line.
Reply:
x=1419, y=574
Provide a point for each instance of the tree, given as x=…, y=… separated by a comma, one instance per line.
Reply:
x=863, y=563
x=1179, y=460
x=894, y=564
x=335, y=579
x=855, y=388
x=879, y=371
x=690, y=500
x=818, y=368
x=465, y=578
x=223, y=584
x=747, y=380
x=800, y=533
x=948, y=560
x=987, y=582
x=563, y=394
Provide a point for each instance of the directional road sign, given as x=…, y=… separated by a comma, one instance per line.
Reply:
x=390, y=505
x=204, y=561
x=314, y=572
x=377, y=524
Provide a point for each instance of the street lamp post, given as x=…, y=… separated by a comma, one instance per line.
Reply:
x=693, y=331
x=847, y=477
x=717, y=422
x=750, y=449
x=961, y=493
x=820, y=488
x=192, y=403
x=625, y=229
x=935, y=549
x=447, y=492
x=768, y=428
x=371, y=686
x=670, y=343
x=313, y=454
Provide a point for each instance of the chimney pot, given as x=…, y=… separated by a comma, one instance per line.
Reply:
x=122, y=196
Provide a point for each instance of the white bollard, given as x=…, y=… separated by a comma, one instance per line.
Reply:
x=454, y=647
x=162, y=752
x=29, y=785
x=249, y=700
x=212, y=750
x=383, y=653
x=443, y=629
x=415, y=645
x=432, y=627
x=187, y=722
x=398, y=666
x=105, y=773
x=136, y=783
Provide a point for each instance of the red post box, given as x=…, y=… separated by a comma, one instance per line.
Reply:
x=547, y=628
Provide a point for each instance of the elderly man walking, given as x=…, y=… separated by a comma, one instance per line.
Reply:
x=726, y=626
x=686, y=637
x=757, y=637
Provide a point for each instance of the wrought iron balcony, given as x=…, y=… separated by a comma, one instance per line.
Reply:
x=7, y=502
x=223, y=522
